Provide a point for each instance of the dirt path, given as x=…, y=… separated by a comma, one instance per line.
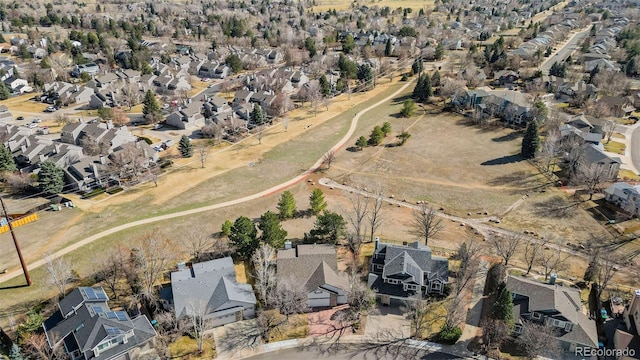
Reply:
x=279, y=187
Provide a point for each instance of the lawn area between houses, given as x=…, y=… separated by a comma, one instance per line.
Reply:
x=23, y=104
x=614, y=147
x=325, y=5
x=186, y=348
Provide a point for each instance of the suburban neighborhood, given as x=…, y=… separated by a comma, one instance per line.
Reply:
x=320, y=179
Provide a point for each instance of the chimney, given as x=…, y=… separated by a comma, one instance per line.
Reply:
x=94, y=167
x=552, y=278
x=103, y=160
x=287, y=245
x=109, y=124
x=56, y=148
x=376, y=242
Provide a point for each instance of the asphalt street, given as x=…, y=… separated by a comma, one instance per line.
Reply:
x=572, y=45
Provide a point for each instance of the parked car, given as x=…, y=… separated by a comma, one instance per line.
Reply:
x=168, y=142
x=20, y=118
x=33, y=125
x=36, y=120
x=51, y=109
x=157, y=126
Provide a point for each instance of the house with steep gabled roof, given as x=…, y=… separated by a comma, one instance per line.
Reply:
x=553, y=305
x=316, y=267
x=88, y=329
x=211, y=289
x=401, y=271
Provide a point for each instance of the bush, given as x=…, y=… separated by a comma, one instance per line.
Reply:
x=145, y=139
x=166, y=164
x=448, y=335
x=404, y=78
x=114, y=190
x=92, y=193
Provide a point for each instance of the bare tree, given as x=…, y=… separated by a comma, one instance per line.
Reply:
x=197, y=241
x=111, y=270
x=549, y=149
x=203, y=153
x=150, y=257
x=37, y=347
x=591, y=175
x=552, y=259
x=538, y=340
x=609, y=128
x=289, y=296
x=605, y=270
x=426, y=223
x=375, y=216
x=506, y=246
x=468, y=255
x=361, y=297
x=494, y=333
x=59, y=271
x=260, y=134
x=62, y=119
x=128, y=162
x=532, y=252
x=132, y=95
x=198, y=322
x=92, y=147
x=418, y=311
x=356, y=216
x=263, y=261
x=329, y=157
x=118, y=117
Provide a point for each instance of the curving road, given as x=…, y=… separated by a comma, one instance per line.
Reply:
x=276, y=188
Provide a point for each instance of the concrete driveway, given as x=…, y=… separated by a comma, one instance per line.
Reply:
x=390, y=319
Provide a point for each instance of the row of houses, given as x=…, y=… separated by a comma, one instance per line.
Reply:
x=82, y=171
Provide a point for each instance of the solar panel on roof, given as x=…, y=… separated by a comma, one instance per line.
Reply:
x=110, y=315
x=112, y=330
x=90, y=293
x=100, y=294
x=121, y=315
x=98, y=310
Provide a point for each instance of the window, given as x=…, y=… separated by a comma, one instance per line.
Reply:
x=412, y=287
x=392, y=281
x=536, y=315
x=436, y=285
x=378, y=267
x=558, y=323
x=568, y=327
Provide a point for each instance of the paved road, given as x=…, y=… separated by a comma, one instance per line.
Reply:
x=562, y=54
x=298, y=354
x=314, y=167
x=635, y=147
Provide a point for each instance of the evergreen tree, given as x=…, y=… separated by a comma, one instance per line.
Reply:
x=439, y=54
x=503, y=307
x=348, y=44
x=257, y=116
x=5, y=93
x=50, y=177
x=7, y=163
x=15, y=353
x=244, y=237
x=328, y=227
x=376, y=137
x=417, y=66
x=417, y=90
x=530, y=141
x=185, y=147
x=272, y=231
x=427, y=91
x=317, y=201
x=150, y=104
x=234, y=62
x=325, y=86
x=361, y=142
x=386, y=128
x=310, y=45
x=287, y=205
x=435, y=79
x=388, y=49
x=225, y=229
x=408, y=108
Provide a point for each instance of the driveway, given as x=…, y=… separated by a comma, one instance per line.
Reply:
x=390, y=320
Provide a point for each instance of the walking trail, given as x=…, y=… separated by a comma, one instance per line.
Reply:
x=274, y=189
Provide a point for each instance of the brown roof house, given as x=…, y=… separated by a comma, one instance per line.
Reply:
x=314, y=266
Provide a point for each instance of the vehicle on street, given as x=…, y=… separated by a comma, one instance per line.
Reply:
x=20, y=118
x=51, y=109
x=157, y=126
x=36, y=120
x=33, y=125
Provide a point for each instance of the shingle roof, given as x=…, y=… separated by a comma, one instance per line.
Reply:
x=544, y=297
x=311, y=265
x=212, y=283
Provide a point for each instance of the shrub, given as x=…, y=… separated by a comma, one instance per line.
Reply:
x=448, y=335
x=114, y=190
x=93, y=193
x=145, y=139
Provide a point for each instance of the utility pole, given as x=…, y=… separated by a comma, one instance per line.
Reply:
x=15, y=242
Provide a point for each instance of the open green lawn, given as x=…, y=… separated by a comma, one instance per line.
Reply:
x=614, y=147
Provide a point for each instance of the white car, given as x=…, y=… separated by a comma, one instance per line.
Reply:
x=36, y=120
x=33, y=125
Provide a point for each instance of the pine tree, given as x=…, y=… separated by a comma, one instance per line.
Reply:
x=388, y=49
x=530, y=141
x=503, y=307
x=50, y=177
x=426, y=92
x=4, y=91
x=377, y=135
x=325, y=87
x=244, y=237
x=317, y=201
x=435, y=79
x=7, y=163
x=361, y=142
x=417, y=91
x=272, y=231
x=257, y=116
x=439, y=54
x=15, y=353
x=386, y=128
x=416, y=67
x=150, y=104
x=287, y=205
x=185, y=147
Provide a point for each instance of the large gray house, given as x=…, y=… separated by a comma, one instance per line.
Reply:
x=402, y=271
x=211, y=289
x=88, y=329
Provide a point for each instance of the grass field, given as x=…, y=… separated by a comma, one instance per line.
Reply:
x=324, y=5
x=23, y=104
x=614, y=147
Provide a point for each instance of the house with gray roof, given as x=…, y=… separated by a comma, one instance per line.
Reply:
x=625, y=196
x=187, y=116
x=211, y=288
x=402, y=271
x=316, y=267
x=595, y=156
x=553, y=305
x=88, y=329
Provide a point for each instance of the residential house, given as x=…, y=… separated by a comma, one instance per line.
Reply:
x=625, y=196
x=567, y=131
x=106, y=80
x=594, y=156
x=618, y=106
x=570, y=90
x=18, y=85
x=627, y=335
x=66, y=93
x=553, y=305
x=242, y=97
x=315, y=267
x=91, y=69
x=216, y=107
x=5, y=115
x=504, y=77
x=74, y=133
x=402, y=271
x=581, y=123
x=602, y=64
x=87, y=173
x=88, y=329
x=187, y=116
x=210, y=289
